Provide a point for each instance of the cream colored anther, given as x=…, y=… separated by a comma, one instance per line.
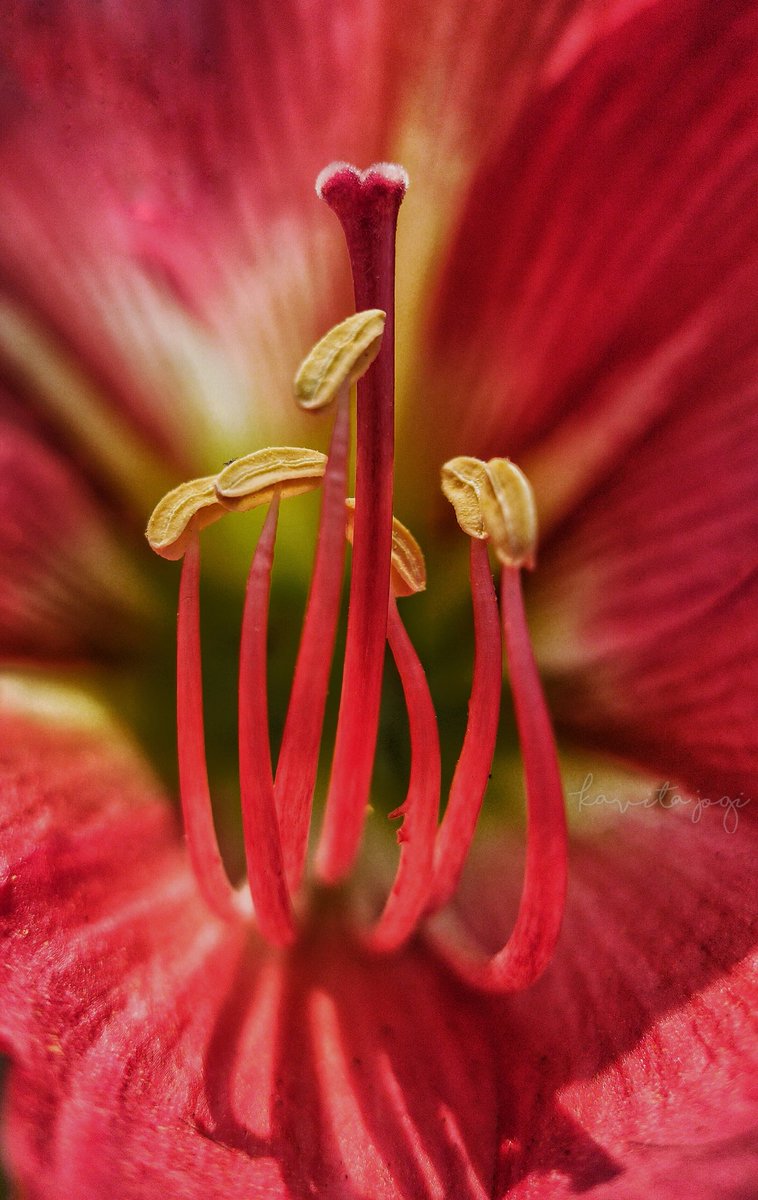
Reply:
x=341, y=356
x=494, y=500
x=253, y=479
x=510, y=514
x=408, y=569
x=181, y=514
x=463, y=481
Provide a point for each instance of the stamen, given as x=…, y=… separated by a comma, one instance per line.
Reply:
x=530, y=947
x=298, y=757
x=410, y=890
x=197, y=811
x=367, y=205
x=508, y=517
x=472, y=771
x=265, y=868
x=181, y=514
x=340, y=358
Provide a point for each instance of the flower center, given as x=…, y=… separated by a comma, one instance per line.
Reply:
x=494, y=506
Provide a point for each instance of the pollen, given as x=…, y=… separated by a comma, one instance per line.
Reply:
x=255, y=478
x=408, y=568
x=340, y=358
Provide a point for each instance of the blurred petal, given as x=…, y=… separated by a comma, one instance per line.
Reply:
x=160, y=227
x=67, y=589
x=652, y=593
x=607, y=247
x=605, y=330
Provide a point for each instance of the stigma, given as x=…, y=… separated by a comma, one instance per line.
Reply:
x=494, y=506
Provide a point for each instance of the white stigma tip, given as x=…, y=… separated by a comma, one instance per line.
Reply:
x=391, y=171
x=334, y=168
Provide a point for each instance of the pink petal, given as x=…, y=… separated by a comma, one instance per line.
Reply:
x=156, y=1051
x=598, y=314
x=67, y=589
x=160, y=229
x=653, y=596
x=606, y=250
x=629, y=1070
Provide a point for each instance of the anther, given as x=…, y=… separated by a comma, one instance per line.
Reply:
x=181, y=514
x=340, y=358
x=494, y=500
x=408, y=568
x=464, y=479
x=256, y=478
x=510, y=514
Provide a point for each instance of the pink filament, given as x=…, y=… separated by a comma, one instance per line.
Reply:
x=410, y=891
x=298, y=757
x=197, y=811
x=530, y=947
x=265, y=868
x=367, y=206
x=472, y=771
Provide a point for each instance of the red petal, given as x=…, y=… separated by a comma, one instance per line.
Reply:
x=66, y=588
x=608, y=243
x=629, y=1070
x=598, y=312
x=160, y=223
x=650, y=597
x=155, y=1052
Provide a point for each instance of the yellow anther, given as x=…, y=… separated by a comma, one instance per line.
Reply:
x=252, y=480
x=344, y=354
x=463, y=481
x=510, y=514
x=180, y=514
x=408, y=569
x=494, y=500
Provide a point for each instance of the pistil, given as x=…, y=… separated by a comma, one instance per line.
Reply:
x=367, y=206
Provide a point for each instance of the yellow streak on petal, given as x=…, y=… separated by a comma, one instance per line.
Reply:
x=182, y=513
x=408, y=568
x=71, y=397
x=341, y=356
x=253, y=479
x=53, y=701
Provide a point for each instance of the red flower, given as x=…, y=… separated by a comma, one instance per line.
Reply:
x=577, y=276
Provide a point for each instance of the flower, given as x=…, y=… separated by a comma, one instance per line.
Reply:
x=577, y=255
